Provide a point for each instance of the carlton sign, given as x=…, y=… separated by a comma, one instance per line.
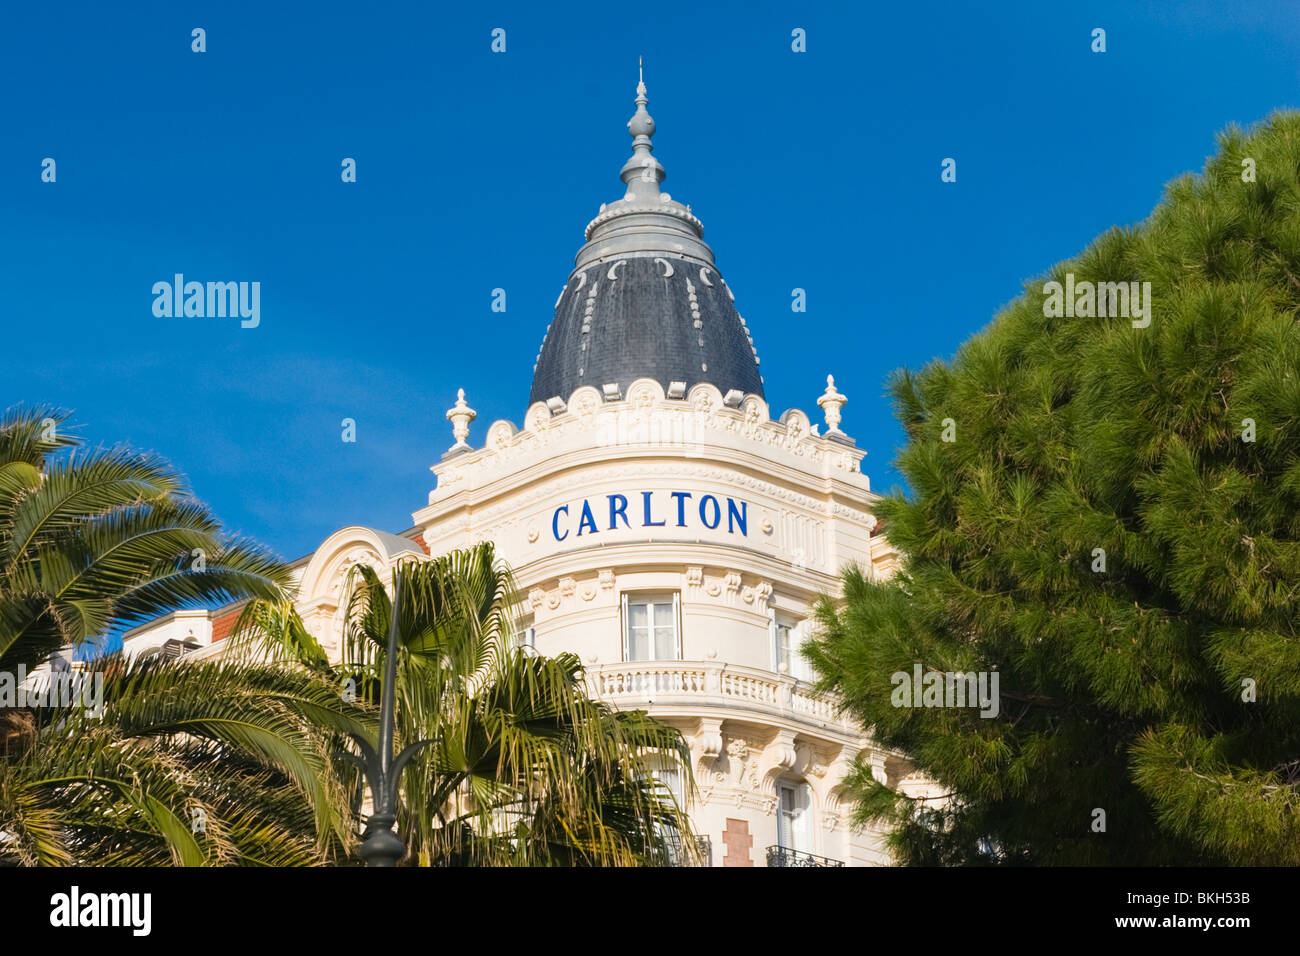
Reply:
x=650, y=509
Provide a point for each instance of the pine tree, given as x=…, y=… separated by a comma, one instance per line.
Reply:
x=1105, y=511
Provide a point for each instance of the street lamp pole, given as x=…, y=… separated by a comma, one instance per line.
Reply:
x=380, y=846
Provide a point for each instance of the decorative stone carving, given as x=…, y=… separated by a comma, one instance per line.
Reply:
x=796, y=430
x=843, y=759
x=568, y=586
x=607, y=579
x=538, y=419
x=460, y=415
x=542, y=426
x=350, y=560
x=742, y=768
x=499, y=435
x=642, y=396
x=587, y=402
x=831, y=402
x=535, y=598
x=709, y=739
x=782, y=751
x=533, y=535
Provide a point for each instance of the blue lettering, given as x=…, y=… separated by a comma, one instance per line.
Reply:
x=710, y=511
x=681, y=497
x=617, y=509
x=645, y=498
x=704, y=511
x=588, y=520
x=738, y=515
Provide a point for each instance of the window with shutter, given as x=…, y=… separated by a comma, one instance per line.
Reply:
x=650, y=627
x=794, y=820
x=799, y=666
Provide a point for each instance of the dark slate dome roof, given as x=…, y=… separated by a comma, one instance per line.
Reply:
x=645, y=300
x=657, y=318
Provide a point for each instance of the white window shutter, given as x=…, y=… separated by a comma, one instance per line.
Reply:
x=773, y=639
x=625, y=634
x=803, y=819
x=799, y=665
x=677, y=623
x=530, y=638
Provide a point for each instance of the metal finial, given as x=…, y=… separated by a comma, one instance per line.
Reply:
x=642, y=172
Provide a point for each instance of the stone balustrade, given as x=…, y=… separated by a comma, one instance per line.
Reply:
x=635, y=683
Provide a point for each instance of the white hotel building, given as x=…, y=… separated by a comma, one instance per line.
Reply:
x=662, y=524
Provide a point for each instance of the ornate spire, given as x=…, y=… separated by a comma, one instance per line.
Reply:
x=645, y=255
x=644, y=220
x=642, y=173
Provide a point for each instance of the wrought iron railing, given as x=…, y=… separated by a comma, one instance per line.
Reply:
x=679, y=855
x=784, y=856
x=705, y=847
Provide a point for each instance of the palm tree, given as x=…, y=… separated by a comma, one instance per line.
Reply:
x=99, y=540
x=524, y=767
x=191, y=763
x=188, y=763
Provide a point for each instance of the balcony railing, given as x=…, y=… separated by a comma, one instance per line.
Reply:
x=784, y=856
x=679, y=856
x=684, y=681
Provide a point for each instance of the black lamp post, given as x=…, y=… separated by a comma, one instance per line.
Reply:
x=380, y=846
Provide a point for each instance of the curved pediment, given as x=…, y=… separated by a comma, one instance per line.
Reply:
x=346, y=548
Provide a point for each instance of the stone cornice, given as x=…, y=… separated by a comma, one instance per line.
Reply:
x=590, y=563
x=646, y=422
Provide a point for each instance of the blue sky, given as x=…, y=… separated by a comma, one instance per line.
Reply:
x=476, y=170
